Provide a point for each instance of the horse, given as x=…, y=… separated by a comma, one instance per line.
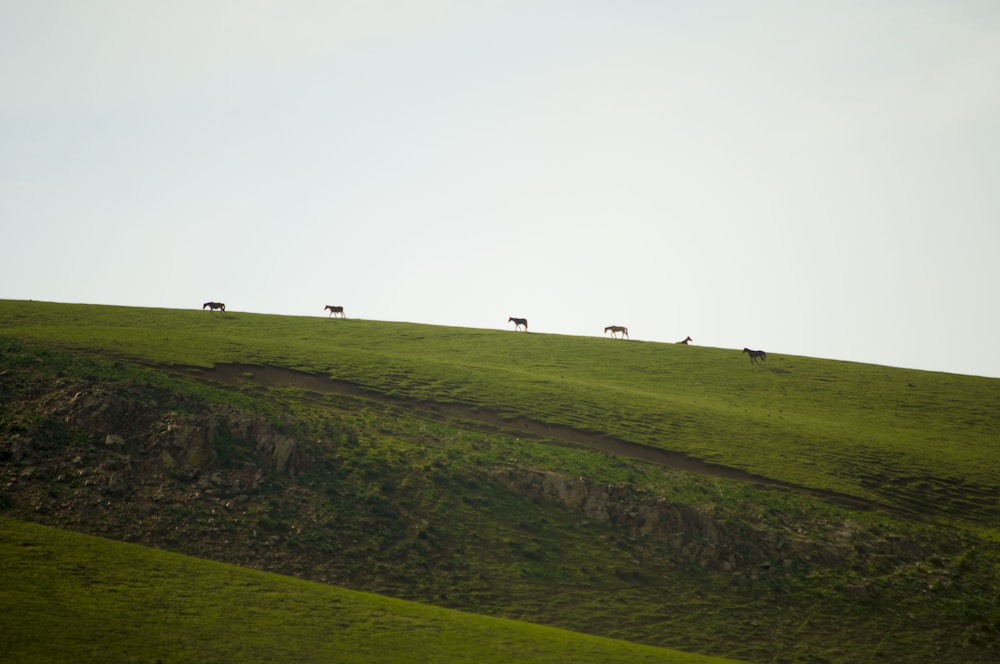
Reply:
x=334, y=310
x=686, y=341
x=755, y=355
x=615, y=329
x=519, y=323
x=212, y=306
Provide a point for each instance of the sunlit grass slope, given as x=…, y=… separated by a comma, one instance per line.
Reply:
x=919, y=441
x=73, y=598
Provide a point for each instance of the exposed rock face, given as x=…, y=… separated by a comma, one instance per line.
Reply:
x=283, y=452
x=134, y=425
x=136, y=461
x=187, y=441
x=698, y=534
x=695, y=535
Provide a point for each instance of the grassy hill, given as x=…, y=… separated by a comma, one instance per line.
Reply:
x=74, y=598
x=677, y=496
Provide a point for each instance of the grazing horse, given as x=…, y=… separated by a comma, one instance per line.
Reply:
x=615, y=329
x=519, y=323
x=755, y=355
x=686, y=341
x=212, y=306
x=334, y=310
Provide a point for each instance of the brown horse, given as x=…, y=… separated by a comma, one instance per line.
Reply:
x=519, y=323
x=755, y=355
x=616, y=329
x=334, y=310
x=212, y=306
x=686, y=341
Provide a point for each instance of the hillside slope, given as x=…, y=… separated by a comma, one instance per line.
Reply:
x=73, y=598
x=551, y=479
x=919, y=441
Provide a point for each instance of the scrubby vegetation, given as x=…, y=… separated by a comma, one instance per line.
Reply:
x=667, y=495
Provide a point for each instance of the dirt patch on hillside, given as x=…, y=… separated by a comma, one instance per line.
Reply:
x=269, y=376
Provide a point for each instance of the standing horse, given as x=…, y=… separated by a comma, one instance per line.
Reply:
x=519, y=323
x=755, y=355
x=686, y=341
x=334, y=310
x=615, y=329
x=212, y=306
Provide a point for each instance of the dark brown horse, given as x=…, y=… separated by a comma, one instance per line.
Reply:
x=686, y=341
x=212, y=306
x=755, y=355
x=616, y=330
x=334, y=310
x=519, y=323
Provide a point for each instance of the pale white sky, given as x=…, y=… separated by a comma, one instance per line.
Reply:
x=810, y=178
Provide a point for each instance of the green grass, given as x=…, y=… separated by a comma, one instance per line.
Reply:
x=74, y=598
x=403, y=499
x=919, y=441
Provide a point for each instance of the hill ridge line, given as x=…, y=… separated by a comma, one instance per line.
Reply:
x=275, y=376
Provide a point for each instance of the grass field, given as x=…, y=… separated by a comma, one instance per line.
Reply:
x=74, y=598
x=426, y=456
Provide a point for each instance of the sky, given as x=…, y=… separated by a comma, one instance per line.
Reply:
x=809, y=178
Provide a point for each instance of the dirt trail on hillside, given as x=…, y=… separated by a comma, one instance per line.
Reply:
x=269, y=376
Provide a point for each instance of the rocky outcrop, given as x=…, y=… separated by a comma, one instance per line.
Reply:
x=132, y=423
x=283, y=453
x=693, y=534
x=697, y=534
